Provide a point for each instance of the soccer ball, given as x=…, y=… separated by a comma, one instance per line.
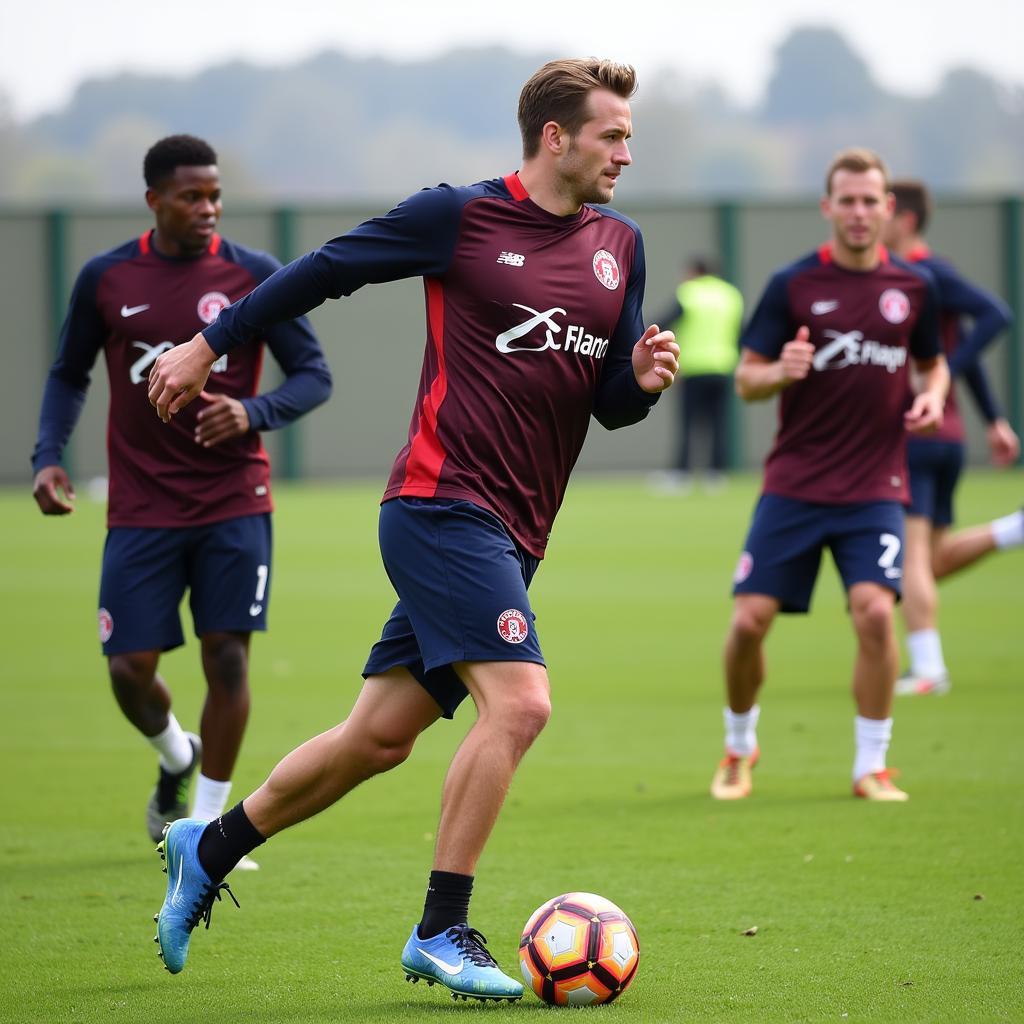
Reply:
x=579, y=949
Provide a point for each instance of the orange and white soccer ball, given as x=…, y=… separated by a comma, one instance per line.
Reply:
x=578, y=950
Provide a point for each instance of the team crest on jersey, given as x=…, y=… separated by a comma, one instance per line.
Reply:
x=744, y=567
x=106, y=624
x=606, y=270
x=512, y=626
x=894, y=305
x=210, y=306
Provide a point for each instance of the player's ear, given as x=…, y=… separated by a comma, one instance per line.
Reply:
x=152, y=198
x=553, y=137
x=825, y=204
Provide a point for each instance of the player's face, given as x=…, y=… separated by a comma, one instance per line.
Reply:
x=859, y=207
x=595, y=156
x=187, y=207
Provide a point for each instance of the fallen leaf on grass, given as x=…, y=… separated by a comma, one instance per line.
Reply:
x=752, y=930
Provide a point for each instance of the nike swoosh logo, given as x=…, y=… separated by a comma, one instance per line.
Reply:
x=255, y=609
x=132, y=310
x=823, y=307
x=181, y=867
x=447, y=968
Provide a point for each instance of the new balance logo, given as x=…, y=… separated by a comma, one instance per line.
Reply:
x=823, y=306
x=512, y=259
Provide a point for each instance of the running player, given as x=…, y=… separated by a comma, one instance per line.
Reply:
x=936, y=460
x=533, y=304
x=189, y=507
x=834, y=335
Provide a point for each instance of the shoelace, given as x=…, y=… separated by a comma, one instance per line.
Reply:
x=471, y=943
x=203, y=907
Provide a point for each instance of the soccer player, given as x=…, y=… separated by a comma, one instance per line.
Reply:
x=533, y=308
x=189, y=507
x=833, y=335
x=936, y=460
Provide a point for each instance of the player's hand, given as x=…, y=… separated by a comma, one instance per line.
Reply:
x=179, y=375
x=1003, y=443
x=46, y=488
x=222, y=418
x=655, y=359
x=925, y=415
x=797, y=357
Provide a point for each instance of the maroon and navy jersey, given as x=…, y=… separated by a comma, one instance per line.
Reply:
x=531, y=322
x=841, y=437
x=134, y=303
x=958, y=298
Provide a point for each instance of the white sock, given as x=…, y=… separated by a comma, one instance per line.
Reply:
x=1008, y=532
x=210, y=798
x=741, y=730
x=872, y=738
x=173, y=745
x=925, y=647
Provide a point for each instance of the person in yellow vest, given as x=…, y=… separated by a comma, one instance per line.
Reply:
x=706, y=316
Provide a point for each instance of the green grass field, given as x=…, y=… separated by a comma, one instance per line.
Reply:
x=864, y=912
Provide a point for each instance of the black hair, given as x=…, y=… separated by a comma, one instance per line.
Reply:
x=173, y=152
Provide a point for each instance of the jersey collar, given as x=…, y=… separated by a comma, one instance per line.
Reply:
x=146, y=245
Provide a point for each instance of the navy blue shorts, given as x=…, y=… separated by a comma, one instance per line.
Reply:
x=935, y=468
x=783, y=548
x=224, y=566
x=461, y=582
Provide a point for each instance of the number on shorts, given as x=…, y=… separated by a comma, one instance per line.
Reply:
x=892, y=544
x=262, y=573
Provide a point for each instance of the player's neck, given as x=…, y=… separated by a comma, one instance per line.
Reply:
x=905, y=246
x=855, y=259
x=172, y=248
x=543, y=190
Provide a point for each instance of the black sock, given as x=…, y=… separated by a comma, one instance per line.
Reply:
x=225, y=841
x=447, y=902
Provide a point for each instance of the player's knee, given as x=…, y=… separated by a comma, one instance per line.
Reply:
x=131, y=673
x=750, y=623
x=872, y=618
x=529, y=715
x=226, y=661
x=382, y=752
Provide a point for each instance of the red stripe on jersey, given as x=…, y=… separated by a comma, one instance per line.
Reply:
x=919, y=252
x=426, y=454
x=144, y=242
x=214, y=244
x=515, y=186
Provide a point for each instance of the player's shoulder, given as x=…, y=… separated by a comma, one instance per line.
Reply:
x=446, y=198
x=612, y=214
x=96, y=266
x=922, y=270
x=805, y=264
x=259, y=263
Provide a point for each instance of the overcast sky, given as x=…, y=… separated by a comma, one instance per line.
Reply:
x=48, y=46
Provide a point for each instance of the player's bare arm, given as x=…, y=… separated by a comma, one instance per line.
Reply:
x=221, y=419
x=50, y=482
x=758, y=377
x=655, y=359
x=179, y=375
x=925, y=415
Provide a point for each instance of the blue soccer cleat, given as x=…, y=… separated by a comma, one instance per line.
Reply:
x=190, y=893
x=458, y=959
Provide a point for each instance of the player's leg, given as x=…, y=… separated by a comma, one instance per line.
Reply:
x=776, y=571
x=867, y=545
x=229, y=566
x=927, y=672
x=141, y=585
x=963, y=548
x=390, y=712
x=513, y=704
x=934, y=469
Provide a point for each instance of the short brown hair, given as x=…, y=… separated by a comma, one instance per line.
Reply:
x=558, y=92
x=858, y=160
x=913, y=196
